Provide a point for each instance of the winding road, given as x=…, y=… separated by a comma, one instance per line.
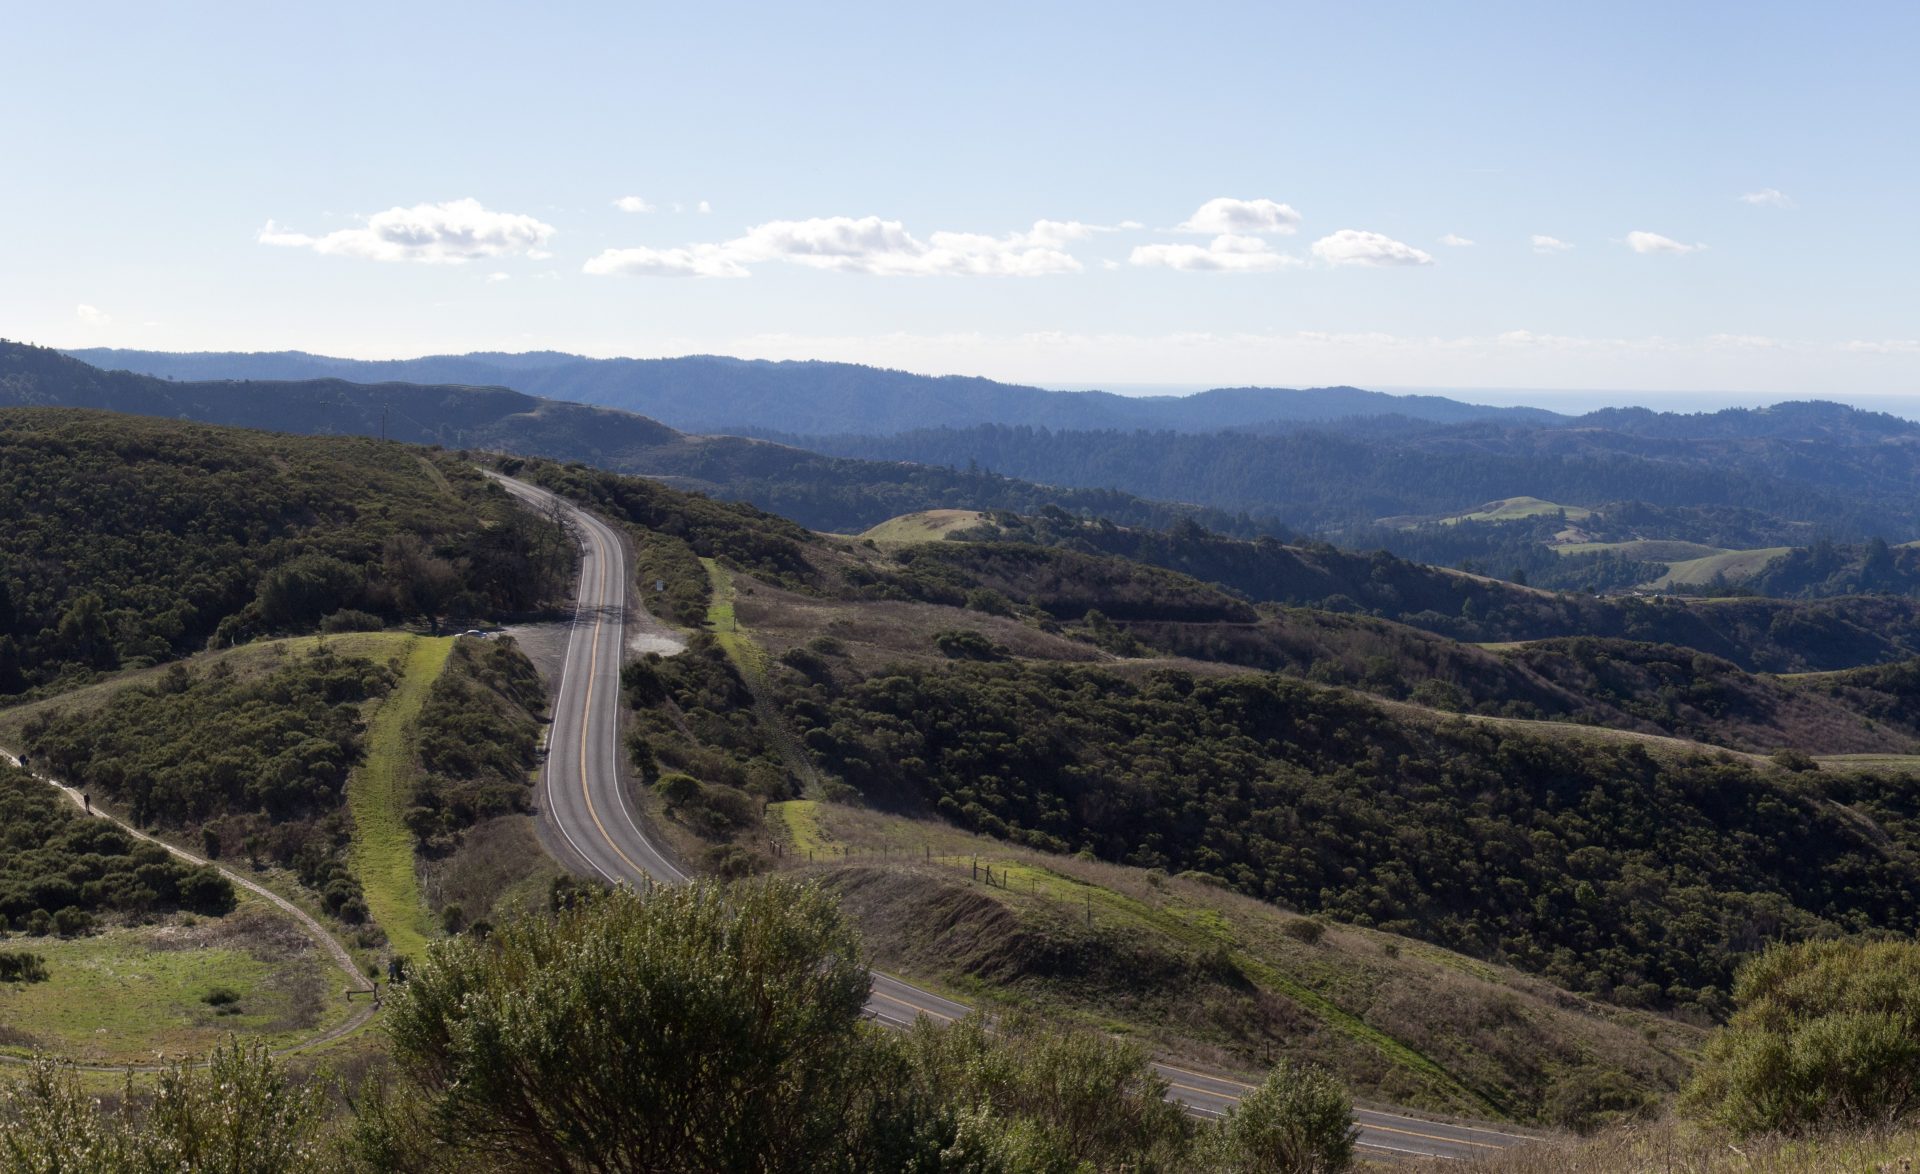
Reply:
x=586, y=809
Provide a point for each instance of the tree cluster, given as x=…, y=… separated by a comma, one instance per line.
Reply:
x=253, y=764
x=59, y=869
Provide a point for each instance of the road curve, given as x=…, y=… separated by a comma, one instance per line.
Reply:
x=586, y=806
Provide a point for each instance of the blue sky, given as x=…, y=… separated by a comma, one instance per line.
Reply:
x=1188, y=194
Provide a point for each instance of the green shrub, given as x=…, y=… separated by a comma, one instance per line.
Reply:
x=1305, y=929
x=1826, y=1035
x=21, y=966
x=961, y=644
x=1299, y=1121
x=642, y=997
x=349, y=619
x=677, y=790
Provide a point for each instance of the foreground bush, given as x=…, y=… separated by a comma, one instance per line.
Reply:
x=701, y=1028
x=1299, y=1121
x=240, y=1114
x=672, y=1029
x=1826, y=1035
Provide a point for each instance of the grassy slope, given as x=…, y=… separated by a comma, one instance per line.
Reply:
x=1512, y=508
x=377, y=797
x=126, y=994
x=1734, y=564
x=1207, y=975
x=723, y=619
x=925, y=526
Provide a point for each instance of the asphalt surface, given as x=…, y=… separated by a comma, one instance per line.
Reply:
x=586, y=809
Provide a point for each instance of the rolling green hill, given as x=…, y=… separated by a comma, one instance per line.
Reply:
x=1510, y=508
x=923, y=526
x=1731, y=566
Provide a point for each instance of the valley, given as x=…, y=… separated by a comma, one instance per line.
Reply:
x=1233, y=801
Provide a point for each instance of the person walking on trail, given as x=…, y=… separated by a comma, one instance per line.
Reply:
x=86, y=797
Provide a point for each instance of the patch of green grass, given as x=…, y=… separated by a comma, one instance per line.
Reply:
x=924, y=526
x=740, y=647
x=1734, y=565
x=125, y=995
x=1514, y=508
x=377, y=795
x=798, y=820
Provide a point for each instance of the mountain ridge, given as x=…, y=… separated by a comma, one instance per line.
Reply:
x=709, y=393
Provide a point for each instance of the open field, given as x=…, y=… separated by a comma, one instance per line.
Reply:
x=1201, y=974
x=1891, y=763
x=1734, y=565
x=127, y=995
x=925, y=526
x=377, y=796
x=1514, y=508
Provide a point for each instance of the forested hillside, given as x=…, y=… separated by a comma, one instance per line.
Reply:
x=1855, y=472
x=133, y=540
x=1574, y=859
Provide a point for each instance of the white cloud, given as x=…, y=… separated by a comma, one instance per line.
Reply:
x=1885, y=346
x=1351, y=246
x=1769, y=198
x=1653, y=242
x=1549, y=244
x=92, y=315
x=497, y=278
x=449, y=233
x=864, y=244
x=1226, y=253
x=691, y=261
x=703, y=207
x=1225, y=216
x=1456, y=241
x=633, y=204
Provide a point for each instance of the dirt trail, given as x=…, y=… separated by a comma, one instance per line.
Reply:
x=314, y=929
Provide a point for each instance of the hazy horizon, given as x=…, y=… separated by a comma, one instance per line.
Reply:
x=1566, y=400
x=1693, y=197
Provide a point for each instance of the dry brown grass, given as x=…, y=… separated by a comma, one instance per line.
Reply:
x=498, y=865
x=1674, y=1147
x=880, y=633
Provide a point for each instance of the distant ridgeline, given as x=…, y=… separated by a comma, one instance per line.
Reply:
x=822, y=492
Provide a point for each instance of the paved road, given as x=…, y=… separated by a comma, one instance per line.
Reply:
x=587, y=809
